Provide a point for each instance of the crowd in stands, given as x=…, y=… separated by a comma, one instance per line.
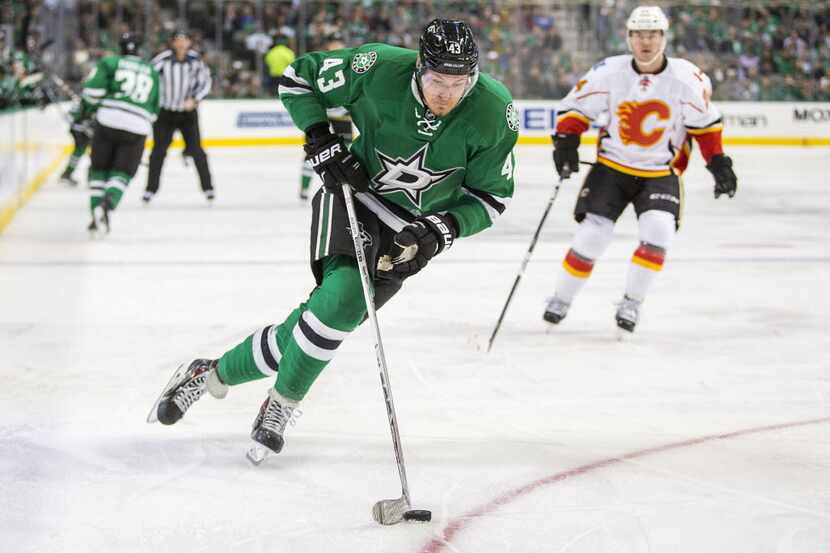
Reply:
x=762, y=52
x=769, y=52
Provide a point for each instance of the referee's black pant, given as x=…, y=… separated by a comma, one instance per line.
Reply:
x=166, y=124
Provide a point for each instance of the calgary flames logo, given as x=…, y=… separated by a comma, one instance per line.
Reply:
x=632, y=116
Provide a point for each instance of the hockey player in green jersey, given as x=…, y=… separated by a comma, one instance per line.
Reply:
x=80, y=128
x=125, y=90
x=433, y=162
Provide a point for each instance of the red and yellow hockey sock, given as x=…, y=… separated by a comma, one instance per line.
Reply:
x=578, y=265
x=646, y=262
x=649, y=256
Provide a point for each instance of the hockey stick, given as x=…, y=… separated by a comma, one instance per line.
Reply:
x=526, y=260
x=61, y=84
x=385, y=511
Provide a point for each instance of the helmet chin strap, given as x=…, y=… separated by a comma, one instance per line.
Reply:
x=656, y=56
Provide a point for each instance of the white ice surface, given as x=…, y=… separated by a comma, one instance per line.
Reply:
x=733, y=336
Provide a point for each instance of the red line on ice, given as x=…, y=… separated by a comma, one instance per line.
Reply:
x=456, y=525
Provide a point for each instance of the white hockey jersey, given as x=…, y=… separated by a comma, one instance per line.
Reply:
x=644, y=117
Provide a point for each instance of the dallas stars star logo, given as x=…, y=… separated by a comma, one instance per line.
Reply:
x=409, y=175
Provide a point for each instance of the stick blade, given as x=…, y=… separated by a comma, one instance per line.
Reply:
x=390, y=511
x=393, y=511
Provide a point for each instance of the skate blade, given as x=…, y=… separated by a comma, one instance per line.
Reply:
x=257, y=453
x=152, y=416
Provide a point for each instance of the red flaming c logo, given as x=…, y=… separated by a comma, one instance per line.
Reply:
x=632, y=116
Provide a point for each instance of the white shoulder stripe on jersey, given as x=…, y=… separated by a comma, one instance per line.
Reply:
x=293, y=91
x=291, y=73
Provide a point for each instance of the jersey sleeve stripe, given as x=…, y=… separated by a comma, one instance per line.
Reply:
x=592, y=93
x=291, y=74
x=572, y=113
x=288, y=82
x=716, y=127
x=493, y=205
x=292, y=91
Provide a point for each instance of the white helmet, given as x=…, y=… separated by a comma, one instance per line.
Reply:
x=648, y=18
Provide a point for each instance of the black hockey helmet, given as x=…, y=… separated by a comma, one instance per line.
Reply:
x=448, y=46
x=129, y=44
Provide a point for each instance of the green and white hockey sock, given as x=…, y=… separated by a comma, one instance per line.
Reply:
x=257, y=356
x=116, y=186
x=97, y=186
x=307, y=340
x=71, y=164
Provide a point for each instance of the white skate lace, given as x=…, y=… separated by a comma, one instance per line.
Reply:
x=277, y=416
x=628, y=308
x=191, y=391
x=556, y=305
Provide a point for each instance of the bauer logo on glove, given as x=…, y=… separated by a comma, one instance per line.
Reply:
x=325, y=155
x=418, y=242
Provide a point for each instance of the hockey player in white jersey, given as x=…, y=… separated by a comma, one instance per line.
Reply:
x=650, y=102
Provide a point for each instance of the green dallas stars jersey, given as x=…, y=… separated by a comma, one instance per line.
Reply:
x=462, y=163
x=126, y=90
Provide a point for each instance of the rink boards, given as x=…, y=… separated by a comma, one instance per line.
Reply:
x=33, y=143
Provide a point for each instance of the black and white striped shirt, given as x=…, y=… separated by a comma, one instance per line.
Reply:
x=181, y=80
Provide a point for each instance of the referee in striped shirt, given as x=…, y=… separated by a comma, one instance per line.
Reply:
x=185, y=81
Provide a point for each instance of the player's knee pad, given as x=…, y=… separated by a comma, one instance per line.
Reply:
x=657, y=228
x=593, y=236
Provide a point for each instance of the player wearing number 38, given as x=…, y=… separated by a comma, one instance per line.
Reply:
x=433, y=163
x=125, y=90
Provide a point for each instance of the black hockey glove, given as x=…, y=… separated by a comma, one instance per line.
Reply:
x=566, y=154
x=420, y=241
x=725, y=180
x=330, y=158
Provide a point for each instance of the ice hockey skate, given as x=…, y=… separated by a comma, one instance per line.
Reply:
x=628, y=312
x=100, y=223
x=556, y=310
x=186, y=386
x=275, y=414
x=66, y=178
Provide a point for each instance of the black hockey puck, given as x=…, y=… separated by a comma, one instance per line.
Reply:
x=420, y=515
